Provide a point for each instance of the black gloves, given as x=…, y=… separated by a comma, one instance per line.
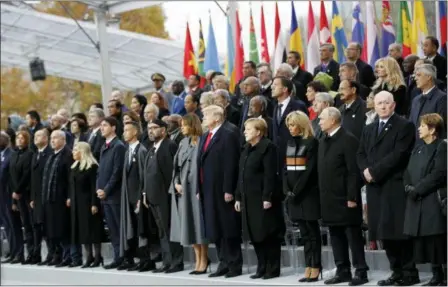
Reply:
x=411, y=193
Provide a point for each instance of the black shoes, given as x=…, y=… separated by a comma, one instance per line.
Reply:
x=97, y=262
x=127, y=264
x=268, y=276
x=407, y=281
x=259, y=274
x=175, y=269
x=75, y=264
x=394, y=278
x=89, y=262
x=219, y=273
x=162, y=269
x=360, y=278
x=233, y=273
x=64, y=263
x=112, y=265
x=147, y=266
x=339, y=278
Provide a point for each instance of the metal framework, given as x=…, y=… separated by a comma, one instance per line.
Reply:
x=125, y=61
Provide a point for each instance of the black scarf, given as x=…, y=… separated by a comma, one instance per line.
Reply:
x=49, y=184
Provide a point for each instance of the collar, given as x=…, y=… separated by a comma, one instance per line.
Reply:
x=385, y=120
x=264, y=87
x=215, y=130
x=334, y=132
x=432, y=58
x=95, y=130
x=347, y=106
x=133, y=145
x=296, y=69
x=157, y=145
x=42, y=149
x=429, y=91
x=110, y=140
x=285, y=102
x=57, y=151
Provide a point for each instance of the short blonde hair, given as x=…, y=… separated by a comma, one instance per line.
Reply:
x=300, y=119
x=87, y=159
x=259, y=124
x=215, y=111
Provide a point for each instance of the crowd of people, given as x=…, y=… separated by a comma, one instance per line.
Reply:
x=347, y=146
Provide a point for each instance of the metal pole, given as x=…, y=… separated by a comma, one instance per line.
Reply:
x=103, y=42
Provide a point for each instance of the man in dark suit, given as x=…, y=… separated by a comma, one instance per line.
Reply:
x=38, y=162
x=221, y=98
x=56, y=123
x=108, y=183
x=258, y=109
x=328, y=64
x=365, y=71
x=94, y=137
x=132, y=185
x=218, y=156
x=413, y=90
x=115, y=111
x=321, y=102
x=353, y=110
x=193, y=85
x=382, y=157
x=251, y=88
x=158, y=169
x=264, y=73
x=340, y=197
x=302, y=76
x=281, y=92
x=431, y=100
x=299, y=90
x=249, y=70
x=10, y=218
x=34, y=124
x=430, y=47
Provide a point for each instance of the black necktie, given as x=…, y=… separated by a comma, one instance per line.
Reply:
x=279, y=113
x=381, y=127
x=38, y=155
x=152, y=151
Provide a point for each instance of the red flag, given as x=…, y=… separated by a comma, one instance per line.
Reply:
x=239, y=51
x=277, y=26
x=324, y=32
x=190, y=65
x=264, y=40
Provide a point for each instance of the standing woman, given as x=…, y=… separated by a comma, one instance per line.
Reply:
x=138, y=105
x=258, y=200
x=78, y=128
x=86, y=220
x=424, y=220
x=300, y=185
x=186, y=210
x=390, y=78
x=158, y=100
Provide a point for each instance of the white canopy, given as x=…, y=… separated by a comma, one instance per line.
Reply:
x=68, y=52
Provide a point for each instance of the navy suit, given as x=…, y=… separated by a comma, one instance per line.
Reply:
x=280, y=132
x=109, y=179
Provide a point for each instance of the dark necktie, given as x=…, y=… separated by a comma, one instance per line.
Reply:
x=38, y=155
x=152, y=151
x=380, y=128
x=279, y=113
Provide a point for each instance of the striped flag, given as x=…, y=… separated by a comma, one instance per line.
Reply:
x=387, y=29
x=253, y=47
x=312, y=49
x=419, y=28
x=279, y=55
x=295, y=40
x=324, y=32
x=338, y=38
x=358, y=29
x=373, y=51
x=404, y=28
x=264, y=39
x=201, y=52
x=441, y=23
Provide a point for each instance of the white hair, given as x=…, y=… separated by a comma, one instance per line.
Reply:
x=396, y=46
x=152, y=107
x=59, y=133
x=206, y=99
x=287, y=69
x=428, y=70
x=215, y=111
x=334, y=114
x=223, y=93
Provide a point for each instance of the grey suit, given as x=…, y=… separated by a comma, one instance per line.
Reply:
x=186, y=210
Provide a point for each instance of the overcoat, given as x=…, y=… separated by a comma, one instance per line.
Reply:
x=386, y=155
x=258, y=182
x=218, y=167
x=340, y=181
x=37, y=170
x=427, y=173
x=187, y=224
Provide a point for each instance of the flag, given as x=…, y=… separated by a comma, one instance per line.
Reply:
x=404, y=28
x=190, y=66
x=253, y=49
x=387, y=29
x=211, y=53
x=324, y=32
x=338, y=37
x=358, y=29
x=441, y=26
x=279, y=55
x=419, y=28
x=201, y=52
x=371, y=38
x=312, y=49
x=264, y=40
x=229, y=70
x=295, y=40
x=239, y=51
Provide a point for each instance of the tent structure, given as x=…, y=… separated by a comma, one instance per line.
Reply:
x=124, y=60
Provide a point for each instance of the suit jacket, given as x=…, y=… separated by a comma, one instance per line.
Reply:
x=96, y=142
x=303, y=76
x=280, y=133
x=300, y=92
x=354, y=118
x=318, y=134
x=366, y=75
x=434, y=102
x=110, y=170
x=233, y=115
x=20, y=171
x=267, y=93
x=332, y=69
x=37, y=174
x=132, y=182
x=158, y=172
x=5, y=196
x=440, y=63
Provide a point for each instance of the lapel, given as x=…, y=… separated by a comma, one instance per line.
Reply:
x=186, y=155
x=331, y=140
x=286, y=112
x=385, y=131
x=134, y=157
x=215, y=139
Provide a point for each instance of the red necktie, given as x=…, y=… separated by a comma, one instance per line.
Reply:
x=207, y=142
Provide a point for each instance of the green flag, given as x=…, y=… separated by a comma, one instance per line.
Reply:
x=201, y=52
x=253, y=47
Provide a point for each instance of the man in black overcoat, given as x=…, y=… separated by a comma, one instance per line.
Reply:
x=108, y=183
x=55, y=194
x=158, y=171
x=354, y=109
x=218, y=157
x=340, y=197
x=94, y=137
x=430, y=48
x=132, y=185
x=383, y=155
x=38, y=162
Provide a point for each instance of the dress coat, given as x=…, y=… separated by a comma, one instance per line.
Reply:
x=341, y=183
x=219, y=166
x=37, y=170
x=301, y=179
x=258, y=182
x=427, y=173
x=96, y=142
x=86, y=228
x=20, y=172
x=354, y=117
x=386, y=156
x=187, y=223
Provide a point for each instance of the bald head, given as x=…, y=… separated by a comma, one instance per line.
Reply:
x=251, y=86
x=117, y=95
x=56, y=122
x=330, y=119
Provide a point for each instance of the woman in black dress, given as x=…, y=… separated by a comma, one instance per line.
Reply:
x=258, y=200
x=424, y=177
x=300, y=184
x=86, y=220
